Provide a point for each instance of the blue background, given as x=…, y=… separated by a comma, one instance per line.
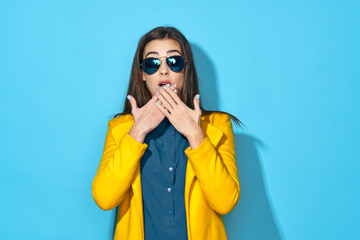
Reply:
x=288, y=69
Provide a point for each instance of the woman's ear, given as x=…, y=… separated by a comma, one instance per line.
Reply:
x=143, y=76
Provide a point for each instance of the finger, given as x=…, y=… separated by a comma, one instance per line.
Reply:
x=162, y=109
x=197, y=103
x=173, y=87
x=161, y=104
x=132, y=101
x=157, y=100
x=165, y=101
x=173, y=95
x=165, y=92
x=154, y=99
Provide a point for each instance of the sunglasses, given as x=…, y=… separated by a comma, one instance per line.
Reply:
x=151, y=65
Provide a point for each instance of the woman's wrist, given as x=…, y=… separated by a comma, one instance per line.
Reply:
x=138, y=133
x=196, y=138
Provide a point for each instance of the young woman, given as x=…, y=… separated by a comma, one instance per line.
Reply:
x=167, y=162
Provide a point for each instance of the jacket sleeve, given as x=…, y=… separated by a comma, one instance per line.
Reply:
x=215, y=169
x=117, y=169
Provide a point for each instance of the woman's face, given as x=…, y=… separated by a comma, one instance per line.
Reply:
x=161, y=48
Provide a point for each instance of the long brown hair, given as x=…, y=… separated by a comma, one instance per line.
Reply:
x=137, y=87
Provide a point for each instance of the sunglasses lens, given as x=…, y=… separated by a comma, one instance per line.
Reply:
x=175, y=63
x=151, y=65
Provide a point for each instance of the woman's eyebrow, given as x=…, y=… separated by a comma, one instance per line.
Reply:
x=170, y=51
x=151, y=53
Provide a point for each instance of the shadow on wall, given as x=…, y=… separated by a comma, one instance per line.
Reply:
x=253, y=217
x=207, y=79
x=113, y=226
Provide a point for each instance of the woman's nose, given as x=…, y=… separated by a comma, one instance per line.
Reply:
x=164, y=69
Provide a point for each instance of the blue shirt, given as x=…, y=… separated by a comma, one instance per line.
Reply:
x=163, y=169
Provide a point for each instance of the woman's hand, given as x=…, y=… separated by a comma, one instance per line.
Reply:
x=183, y=118
x=146, y=118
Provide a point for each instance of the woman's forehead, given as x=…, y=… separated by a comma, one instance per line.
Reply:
x=161, y=47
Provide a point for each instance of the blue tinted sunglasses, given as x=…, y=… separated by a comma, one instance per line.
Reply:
x=151, y=65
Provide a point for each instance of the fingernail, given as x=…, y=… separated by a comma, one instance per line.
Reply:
x=158, y=87
x=198, y=96
x=128, y=97
x=157, y=104
x=157, y=93
x=165, y=87
x=175, y=85
x=175, y=91
x=168, y=85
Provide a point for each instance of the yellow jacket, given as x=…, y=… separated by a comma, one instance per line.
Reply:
x=212, y=186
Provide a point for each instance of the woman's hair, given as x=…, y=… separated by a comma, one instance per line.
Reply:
x=137, y=87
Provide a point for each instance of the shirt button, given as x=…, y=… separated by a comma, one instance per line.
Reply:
x=171, y=152
x=169, y=189
x=170, y=169
x=169, y=211
x=171, y=134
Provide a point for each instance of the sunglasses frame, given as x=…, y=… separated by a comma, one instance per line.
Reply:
x=161, y=62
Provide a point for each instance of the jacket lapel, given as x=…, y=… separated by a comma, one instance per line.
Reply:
x=214, y=134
